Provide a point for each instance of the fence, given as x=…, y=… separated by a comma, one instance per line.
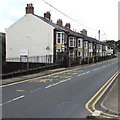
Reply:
x=17, y=65
x=33, y=59
x=37, y=63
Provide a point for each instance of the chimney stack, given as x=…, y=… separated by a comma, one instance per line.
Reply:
x=30, y=9
x=68, y=26
x=60, y=22
x=84, y=32
x=47, y=16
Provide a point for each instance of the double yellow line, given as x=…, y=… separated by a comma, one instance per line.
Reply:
x=98, y=96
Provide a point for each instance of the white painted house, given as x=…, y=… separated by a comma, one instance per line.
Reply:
x=29, y=36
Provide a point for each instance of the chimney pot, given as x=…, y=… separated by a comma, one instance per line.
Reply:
x=68, y=26
x=47, y=15
x=84, y=32
x=30, y=9
x=60, y=22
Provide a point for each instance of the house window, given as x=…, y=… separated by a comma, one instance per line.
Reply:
x=79, y=43
x=58, y=50
x=97, y=46
x=85, y=45
x=72, y=54
x=90, y=54
x=90, y=45
x=79, y=54
x=60, y=38
x=85, y=54
x=72, y=42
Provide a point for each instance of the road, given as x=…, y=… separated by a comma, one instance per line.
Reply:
x=59, y=95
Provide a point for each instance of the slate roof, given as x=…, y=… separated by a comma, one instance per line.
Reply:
x=57, y=27
x=70, y=32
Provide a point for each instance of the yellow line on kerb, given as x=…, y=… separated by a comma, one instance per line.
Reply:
x=93, y=105
x=95, y=95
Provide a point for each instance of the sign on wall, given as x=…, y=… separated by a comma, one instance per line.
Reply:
x=23, y=53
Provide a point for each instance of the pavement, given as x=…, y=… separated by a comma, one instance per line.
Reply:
x=109, y=104
x=25, y=77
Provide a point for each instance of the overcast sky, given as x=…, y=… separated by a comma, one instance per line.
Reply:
x=92, y=15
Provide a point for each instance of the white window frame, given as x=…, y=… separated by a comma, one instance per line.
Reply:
x=80, y=42
x=90, y=46
x=79, y=55
x=73, y=40
x=86, y=45
x=85, y=54
x=72, y=54
x=62, y=37
x=90, y=54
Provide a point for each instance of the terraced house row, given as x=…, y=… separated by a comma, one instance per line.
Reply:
x=33, y=35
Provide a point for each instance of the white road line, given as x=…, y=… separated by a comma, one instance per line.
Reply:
x=87, y=72
x=32, y=91
x=83, y=73
x=96, y=69
x=104, y=66
x=62, y=81
x=13, y=100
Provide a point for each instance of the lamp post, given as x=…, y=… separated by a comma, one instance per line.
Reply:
x=98, y=45
x=103, y=36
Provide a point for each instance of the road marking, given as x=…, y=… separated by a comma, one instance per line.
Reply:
x=20, y=90
x=62, y=81
x=96, y=113
x=95, y=102
x=43, y=81
x=109, y=82
x=87, y=104
x=84, y=73
x=75, y=73
x=87, y=72
x=28, y=80
x=104, y=66
x=96, y=69
x=36, y=78
x=15, y=99
x=67, y=77
x=32, y=91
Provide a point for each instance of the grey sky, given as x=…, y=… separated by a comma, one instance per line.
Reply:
x=96, y=14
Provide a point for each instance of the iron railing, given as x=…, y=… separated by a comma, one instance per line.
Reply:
x=33, y=59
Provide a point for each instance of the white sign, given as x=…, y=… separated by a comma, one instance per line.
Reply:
x=23, y=53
